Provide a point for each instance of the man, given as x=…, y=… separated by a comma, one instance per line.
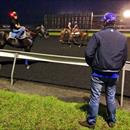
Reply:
x=106, y=54
x=16, y=29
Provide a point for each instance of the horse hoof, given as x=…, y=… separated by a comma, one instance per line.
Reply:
x=61, y=41
x=0, y=66
x=28, y=67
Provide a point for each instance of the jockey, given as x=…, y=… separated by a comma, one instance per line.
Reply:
x=69, y=26
x=76, y=29
x=17, y=30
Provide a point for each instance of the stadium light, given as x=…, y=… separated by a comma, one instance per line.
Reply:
x=126, y=14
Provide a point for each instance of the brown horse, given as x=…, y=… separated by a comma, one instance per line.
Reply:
x=78, y=37
x=65, y=36
x=75, y=37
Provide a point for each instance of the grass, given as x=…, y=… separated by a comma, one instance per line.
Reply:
x=127, y=34
x=32, y=112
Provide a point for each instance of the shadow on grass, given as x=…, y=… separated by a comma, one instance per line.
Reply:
x=75, y=98
x=102, y=110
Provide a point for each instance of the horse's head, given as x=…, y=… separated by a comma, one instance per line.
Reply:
x=66, y=31
x=41, y=30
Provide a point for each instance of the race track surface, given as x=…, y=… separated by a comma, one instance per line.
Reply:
x=59, y=74
x=53, y=46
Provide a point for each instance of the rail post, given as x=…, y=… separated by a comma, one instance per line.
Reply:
x=13, y=67
x=122, y=86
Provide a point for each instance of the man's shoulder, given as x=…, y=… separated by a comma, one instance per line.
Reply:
x=121, y=34
x=105, y=33
x=110, y=30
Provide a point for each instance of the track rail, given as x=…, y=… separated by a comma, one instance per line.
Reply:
x=43, y=57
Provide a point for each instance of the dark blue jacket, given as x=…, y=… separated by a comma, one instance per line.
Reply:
x=107, y=50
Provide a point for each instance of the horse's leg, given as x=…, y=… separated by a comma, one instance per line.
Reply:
x=2, y=44
x=70, y=39
x=27, y=43
x=26, y=62
x=46, y=34
x=27, y=48
x=27, y=65
x=82, y=38
x=2, y=40
x=62, y=37
x=75, y=39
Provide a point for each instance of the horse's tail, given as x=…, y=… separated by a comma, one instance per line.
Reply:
x=2, y=39
x=2, y=35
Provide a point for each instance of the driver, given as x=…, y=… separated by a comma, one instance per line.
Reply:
x=17, y=30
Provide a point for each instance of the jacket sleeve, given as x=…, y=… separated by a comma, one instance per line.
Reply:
x=91, y=50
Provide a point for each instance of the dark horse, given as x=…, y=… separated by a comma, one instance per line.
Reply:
x=24, y=43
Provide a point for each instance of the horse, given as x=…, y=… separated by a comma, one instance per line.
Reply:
x=25, y=42
x=78, y=37
x=65, y=36
x=75, y=37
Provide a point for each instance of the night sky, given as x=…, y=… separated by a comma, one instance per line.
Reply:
x=32, y=11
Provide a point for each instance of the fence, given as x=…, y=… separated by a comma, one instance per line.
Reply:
x=85, y=21
x=60, y=21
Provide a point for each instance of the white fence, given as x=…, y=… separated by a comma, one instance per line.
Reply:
x=54, y=59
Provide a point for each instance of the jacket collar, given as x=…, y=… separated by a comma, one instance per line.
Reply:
x=109, y=27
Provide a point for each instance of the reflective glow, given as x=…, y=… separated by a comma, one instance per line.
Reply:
x=126, y=14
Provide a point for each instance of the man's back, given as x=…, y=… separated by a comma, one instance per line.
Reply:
x=111, y=49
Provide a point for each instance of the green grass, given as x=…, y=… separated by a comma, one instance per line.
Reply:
x=89, y=34
x=33, y=112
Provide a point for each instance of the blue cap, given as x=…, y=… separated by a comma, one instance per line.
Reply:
x=109, y=17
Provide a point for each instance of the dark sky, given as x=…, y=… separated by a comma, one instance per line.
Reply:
x=32, y=11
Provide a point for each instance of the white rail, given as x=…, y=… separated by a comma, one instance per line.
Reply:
x=55, y=59
x=43, y=57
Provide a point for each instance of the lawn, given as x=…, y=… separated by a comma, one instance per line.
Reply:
x=32, y=112
x=127, y=34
